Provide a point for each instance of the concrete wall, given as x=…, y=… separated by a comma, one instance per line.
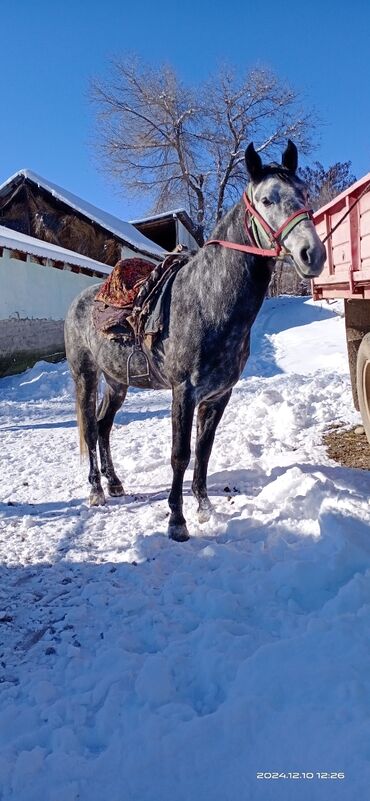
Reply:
x=24, y=342
x=32, y=290
x=34, y=299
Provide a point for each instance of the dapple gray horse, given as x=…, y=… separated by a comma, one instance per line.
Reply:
x=204, y=345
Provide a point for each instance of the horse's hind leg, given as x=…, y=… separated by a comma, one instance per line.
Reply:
x=209, y=416
x=112, y=400
x=86, y=390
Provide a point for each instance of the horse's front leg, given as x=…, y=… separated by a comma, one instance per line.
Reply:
x=183, y=406
x=112, y=401
x=209, y=416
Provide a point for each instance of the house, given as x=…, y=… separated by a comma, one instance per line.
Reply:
x=36, y=207
x=53, y=244
x=38, y=281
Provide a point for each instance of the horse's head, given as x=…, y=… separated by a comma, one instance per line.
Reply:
x=277, y=194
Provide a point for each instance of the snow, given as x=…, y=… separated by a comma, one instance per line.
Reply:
x=163, y=215
x=137, y=668
x=123, y=230
x=14, y=240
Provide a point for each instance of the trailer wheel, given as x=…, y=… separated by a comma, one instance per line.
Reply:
x=363, y=382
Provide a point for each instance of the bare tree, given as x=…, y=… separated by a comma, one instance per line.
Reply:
x=324, y=184
x=186, y=145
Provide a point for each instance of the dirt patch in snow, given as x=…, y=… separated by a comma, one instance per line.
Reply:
x=349, y=447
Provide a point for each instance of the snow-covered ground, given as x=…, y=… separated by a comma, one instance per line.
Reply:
x=133, y=668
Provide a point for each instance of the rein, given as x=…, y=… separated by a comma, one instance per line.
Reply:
x=257, y=221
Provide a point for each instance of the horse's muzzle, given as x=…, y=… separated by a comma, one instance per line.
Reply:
x=310, y=259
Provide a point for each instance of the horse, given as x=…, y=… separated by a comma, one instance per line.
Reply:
x=205, y=342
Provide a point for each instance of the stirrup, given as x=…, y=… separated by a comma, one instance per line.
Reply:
x=136, y=348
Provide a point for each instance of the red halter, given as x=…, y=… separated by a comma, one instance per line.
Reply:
x=275, y=237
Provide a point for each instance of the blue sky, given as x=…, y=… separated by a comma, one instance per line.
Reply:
x=50, y=49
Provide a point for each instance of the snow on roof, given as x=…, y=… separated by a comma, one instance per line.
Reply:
x=161, y=216
x=123, y=230
x=13, y=240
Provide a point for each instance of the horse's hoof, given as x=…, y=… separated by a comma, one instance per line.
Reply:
x=116, y=490
x=204, y=511
x=178, y=532
x=97, y=498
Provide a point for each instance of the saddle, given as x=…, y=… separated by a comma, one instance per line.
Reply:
x=129, y=307
x=115, y=300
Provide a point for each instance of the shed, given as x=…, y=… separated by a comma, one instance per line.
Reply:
x=169, y=229
x=36, y=207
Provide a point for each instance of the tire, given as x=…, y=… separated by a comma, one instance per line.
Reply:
x=363, y=382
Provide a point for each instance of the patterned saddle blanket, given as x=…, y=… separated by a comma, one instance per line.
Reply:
x=130, y=302
x=115, y=299
x=124, y=282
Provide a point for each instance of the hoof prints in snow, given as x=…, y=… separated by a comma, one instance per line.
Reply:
x=135, y=667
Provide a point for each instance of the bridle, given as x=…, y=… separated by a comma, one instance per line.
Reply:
x=253, y=221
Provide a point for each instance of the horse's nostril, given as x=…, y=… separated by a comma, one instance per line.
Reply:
x=305, y=255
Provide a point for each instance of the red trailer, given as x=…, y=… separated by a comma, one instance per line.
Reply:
x=346, y=223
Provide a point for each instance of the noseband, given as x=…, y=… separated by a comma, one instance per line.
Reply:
x=253, y=220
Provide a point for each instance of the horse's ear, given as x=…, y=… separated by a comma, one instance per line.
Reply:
x=253, y=162
x=290, y=157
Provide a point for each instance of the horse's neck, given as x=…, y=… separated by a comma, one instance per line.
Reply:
x=231, y=227
x=243, y=272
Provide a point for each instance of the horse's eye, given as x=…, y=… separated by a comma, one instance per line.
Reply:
x=266, y=201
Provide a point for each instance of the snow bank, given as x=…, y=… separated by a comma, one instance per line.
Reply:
x=136, y=668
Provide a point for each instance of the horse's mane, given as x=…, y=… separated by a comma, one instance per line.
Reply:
x=282, y=172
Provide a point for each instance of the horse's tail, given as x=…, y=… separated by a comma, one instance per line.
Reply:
x=83, y=446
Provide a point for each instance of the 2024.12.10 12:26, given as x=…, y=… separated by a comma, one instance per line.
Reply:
x=300, y=775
